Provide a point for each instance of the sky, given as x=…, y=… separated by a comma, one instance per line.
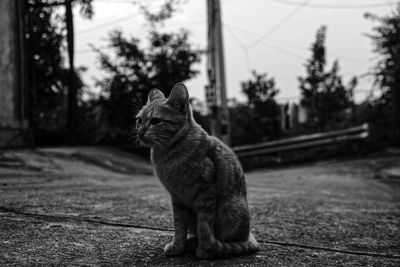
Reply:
x=268, y=36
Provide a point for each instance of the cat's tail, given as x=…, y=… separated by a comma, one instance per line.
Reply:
x=222, y=249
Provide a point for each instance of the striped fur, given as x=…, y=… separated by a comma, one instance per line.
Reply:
x=202, y=175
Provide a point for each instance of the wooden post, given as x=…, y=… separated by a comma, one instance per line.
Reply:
x=216, y=74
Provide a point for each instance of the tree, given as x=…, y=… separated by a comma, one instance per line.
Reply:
x=323, y=93
x=259, y=90
x=47, y=74
x=134, y=69
x=386, y=38
x=258, y=120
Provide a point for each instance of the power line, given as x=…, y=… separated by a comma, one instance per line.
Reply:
x=122, y=1
x=100, y=26
x=294, y=55
x=283, y=51
x=292, y=97
x=117, y=1
x=245, y=50
x=341, y=57
x=91, y=50
x=327, y=6
x=345, y=58
x=110, y=23
x=280, y=23
x=243, y=30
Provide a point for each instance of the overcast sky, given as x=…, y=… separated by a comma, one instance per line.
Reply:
x=272, y=36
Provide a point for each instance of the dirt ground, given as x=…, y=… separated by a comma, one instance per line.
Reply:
x=103, y=207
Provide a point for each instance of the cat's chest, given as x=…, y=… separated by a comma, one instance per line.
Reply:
x=175, y=177
x=182, y=181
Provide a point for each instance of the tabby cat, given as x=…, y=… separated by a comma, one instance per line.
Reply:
x=202, y=175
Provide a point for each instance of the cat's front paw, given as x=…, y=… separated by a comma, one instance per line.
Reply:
x=173, y=249
x=203, y=253
x=191, y=244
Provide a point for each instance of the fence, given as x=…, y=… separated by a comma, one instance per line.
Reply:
x=304, y=141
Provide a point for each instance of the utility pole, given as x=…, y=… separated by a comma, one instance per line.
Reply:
x=215, y=90
x=72, y=91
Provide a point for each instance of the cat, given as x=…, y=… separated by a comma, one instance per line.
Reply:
x=202, y=175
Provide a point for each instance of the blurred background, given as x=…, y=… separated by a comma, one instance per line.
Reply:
x=316, y=78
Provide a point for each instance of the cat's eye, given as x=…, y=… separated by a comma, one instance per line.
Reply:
x=139, y=121
x=155, y=121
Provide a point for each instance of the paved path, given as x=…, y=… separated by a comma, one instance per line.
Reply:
x=94, y=207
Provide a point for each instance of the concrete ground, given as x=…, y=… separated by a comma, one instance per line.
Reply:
x=102, y=206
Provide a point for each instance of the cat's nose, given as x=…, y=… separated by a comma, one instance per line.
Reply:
x=141, y=133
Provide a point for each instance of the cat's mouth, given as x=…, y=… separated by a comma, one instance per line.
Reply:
x=145, y=141
x=150, y=142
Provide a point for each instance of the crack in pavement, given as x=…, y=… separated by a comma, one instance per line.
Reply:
x=85, y=220
x=128, y=225
x=335, y=250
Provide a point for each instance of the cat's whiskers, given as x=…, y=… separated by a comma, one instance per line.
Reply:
x=161, y=144
x=133, y=134
x=162, y=140
x=132, y=137
x=136, y=143
x=137, y=106
x=157, y=142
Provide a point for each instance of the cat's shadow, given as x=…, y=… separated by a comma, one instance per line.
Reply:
x=154, y=256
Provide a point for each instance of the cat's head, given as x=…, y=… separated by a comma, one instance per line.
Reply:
x=161, y=119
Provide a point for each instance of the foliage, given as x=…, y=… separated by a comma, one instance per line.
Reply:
x=258, y=120
x=259, y=90
x=323, y=93
x=167, y=9
x=386, y=38
x=47, y=74
x=133, y=70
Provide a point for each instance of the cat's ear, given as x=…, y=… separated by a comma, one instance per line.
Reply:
x=154, y=94
x=179, y=98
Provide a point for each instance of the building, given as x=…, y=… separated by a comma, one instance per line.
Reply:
x=13, y=104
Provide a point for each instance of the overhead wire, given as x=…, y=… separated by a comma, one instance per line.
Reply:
x=279, y=23
x=91, y=50
x=336, y=6
x=253, y=33
x=242, y=46
x=293, y=55
x=308, y=4
x=259, y=40
x=283, y=51
x=122, y=1
x=104, y=25
x=297, y=56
